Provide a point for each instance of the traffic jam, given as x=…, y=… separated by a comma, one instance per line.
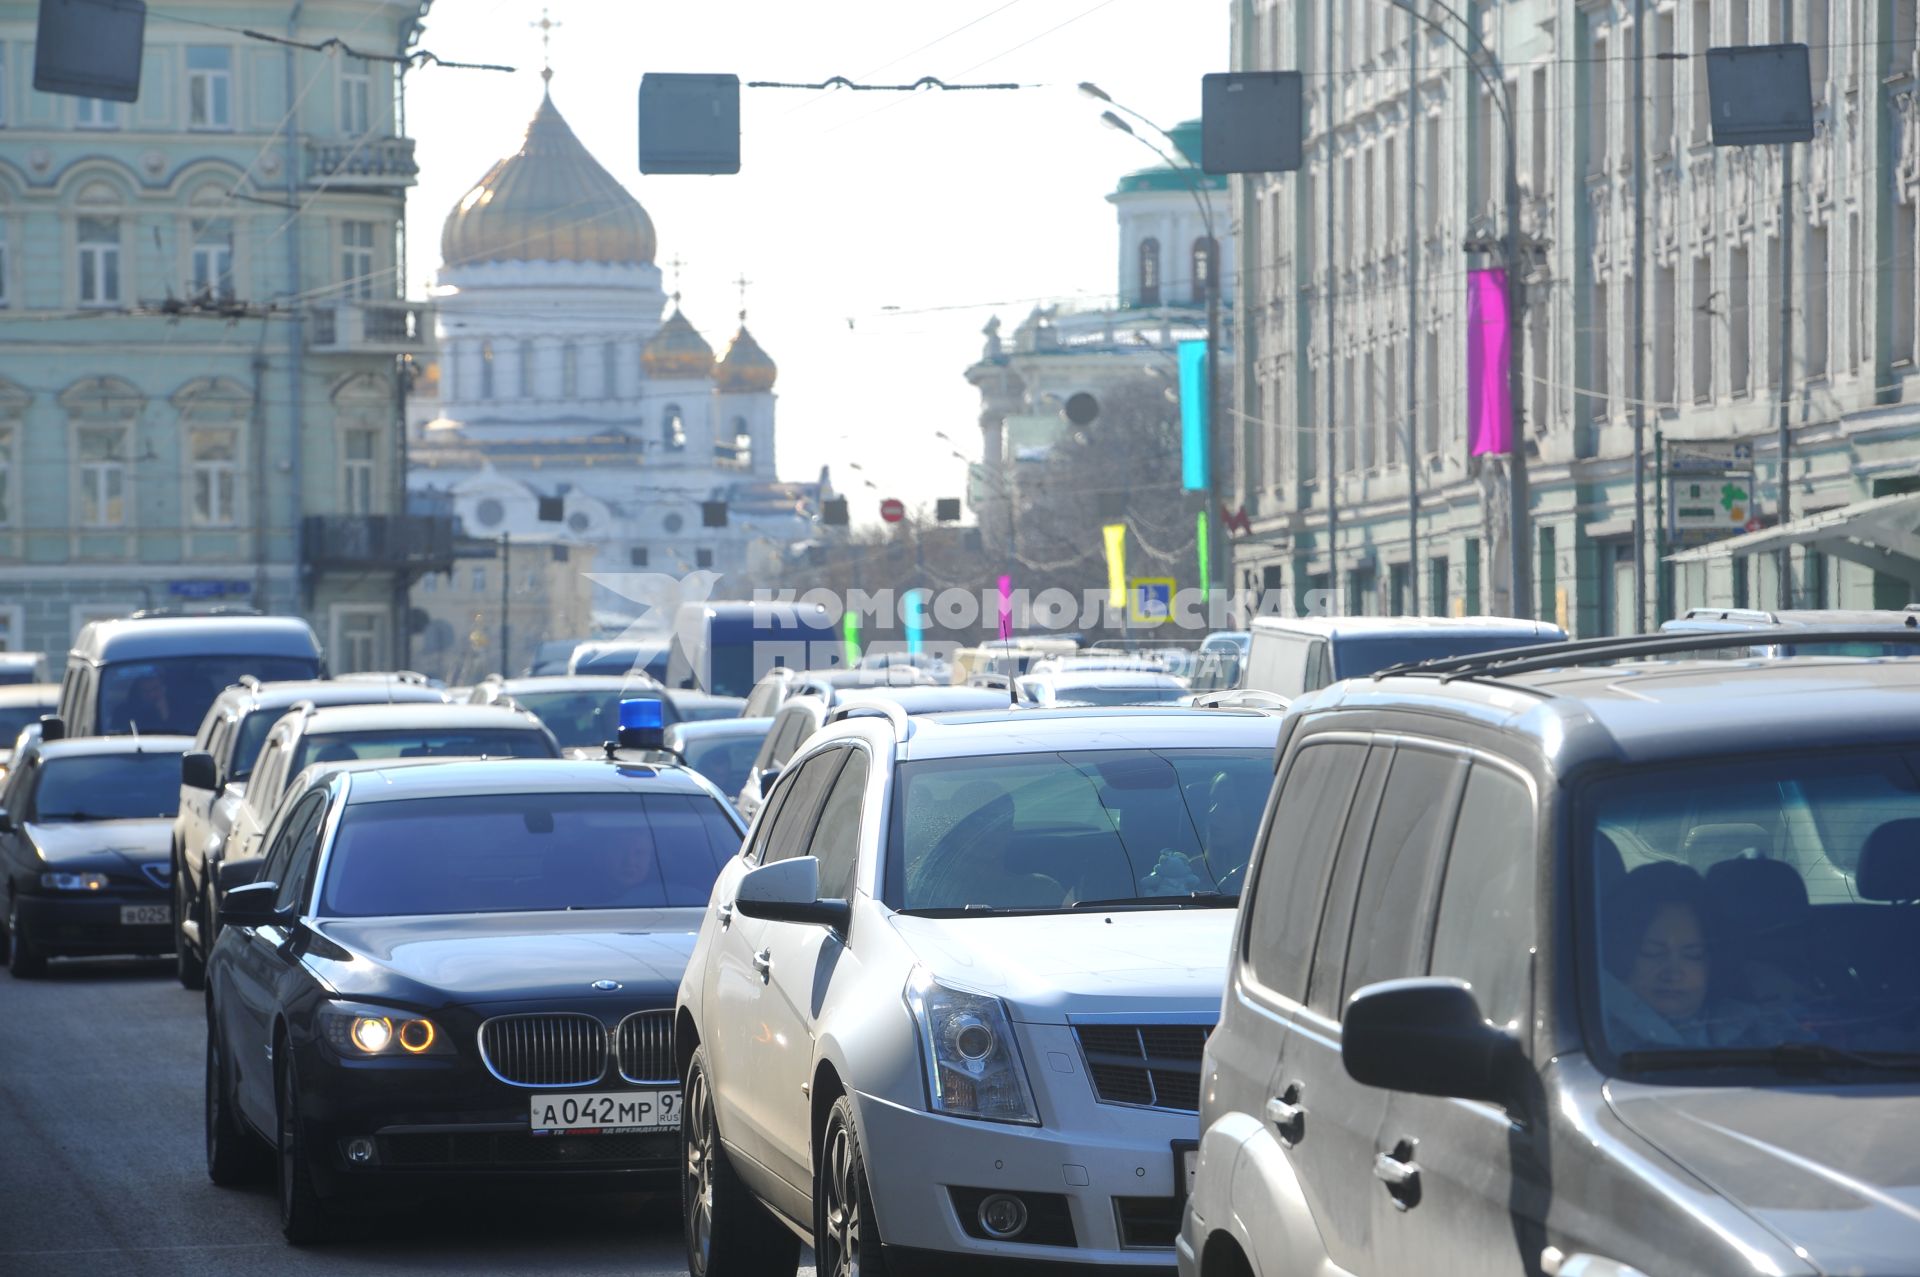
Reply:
x=1353, y=945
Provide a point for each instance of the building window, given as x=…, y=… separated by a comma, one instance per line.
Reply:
x=355, y=90
x=1369, y=415
x=1818, y=285
x=1703, y=313
x=486, y=370
x=209, y=86
x=673, y=429
x=569, y=371
x=1739, y=324
x=1149, y=272
x=356, y=258
x=703, y=558
x=1602, y=367
x=95, y=113
x=6, y=476
x=1664, y=84
x=213, y=259
x=1665, y=306
x=430, y=583
x=1430, y=394
x=1597, y=70
x=5, y=260
x=479, y=582
x=609, y=370
x=356, y=471
x=526, y=370
x=1903, y=284
x=1205, y=254
x=99, y=245
x=213, y=476
x=1542, y=112
x=742, y=443
x=103, y=475
x=1697, y=62
x=637, y=556
x=359, y=644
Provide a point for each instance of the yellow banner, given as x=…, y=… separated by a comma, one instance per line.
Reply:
x=1116, y=535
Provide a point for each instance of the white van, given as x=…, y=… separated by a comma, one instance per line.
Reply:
x=1291, y=656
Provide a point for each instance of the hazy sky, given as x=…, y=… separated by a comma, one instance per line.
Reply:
x=879, y=230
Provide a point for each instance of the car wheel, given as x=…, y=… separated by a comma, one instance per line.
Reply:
x=729, y=1233
x=846, y=1241
x=23, y=960
x=234, y=1156
x=188, y=966
x=304, y=1217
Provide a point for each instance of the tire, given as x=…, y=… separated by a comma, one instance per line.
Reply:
x=23, y=960
x=846, y=1239
x=728, y=1232
x=235, y=1156
x=304, y=1215
x=189, y=967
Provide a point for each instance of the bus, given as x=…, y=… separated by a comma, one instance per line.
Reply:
x=724, y=648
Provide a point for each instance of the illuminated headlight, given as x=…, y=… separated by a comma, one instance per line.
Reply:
x=357, y=1032
x=73, y=882
x=966, y=1042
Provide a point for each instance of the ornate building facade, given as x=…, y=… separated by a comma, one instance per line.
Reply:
x=563, y=402
x=1352, y=390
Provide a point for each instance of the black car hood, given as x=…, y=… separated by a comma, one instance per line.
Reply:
x=69, y=842
x=512, y=957
x=1831, y=1170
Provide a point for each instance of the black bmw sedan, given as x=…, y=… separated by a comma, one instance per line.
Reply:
x=456, y=968
x=86, y=830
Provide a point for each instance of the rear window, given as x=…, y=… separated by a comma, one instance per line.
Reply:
x=171, y=696
x=17, y=718
x=346, y=747
x=1358, y=657
x=107, y=787
x=587, y=719
x=505, y=853
x=724, y=760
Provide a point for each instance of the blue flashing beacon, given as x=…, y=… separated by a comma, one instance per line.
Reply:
x=640, y=724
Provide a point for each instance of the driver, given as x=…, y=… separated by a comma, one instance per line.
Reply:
x=629, y=873
x=145, y=705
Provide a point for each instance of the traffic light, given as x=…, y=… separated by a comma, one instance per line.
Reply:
x=689, y=123
x=713, y=514
x=833, y=512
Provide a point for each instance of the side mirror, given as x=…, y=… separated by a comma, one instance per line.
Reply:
x=199, y=771
x=251, y=906
x=767, y=777
x=53, y=727
x=789, y=891
x=229, y=875
x=1428, y=1037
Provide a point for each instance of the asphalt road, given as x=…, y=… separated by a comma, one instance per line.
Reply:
x=102, y=1173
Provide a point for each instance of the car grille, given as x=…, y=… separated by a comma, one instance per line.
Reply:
x=644, y=1043
x=487, y=1148
x=558, y=1049
x=1145, y=1065
x=1147, y=1222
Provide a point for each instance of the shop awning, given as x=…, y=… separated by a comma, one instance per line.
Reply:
x=1882, y=534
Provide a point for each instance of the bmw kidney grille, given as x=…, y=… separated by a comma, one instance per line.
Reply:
x=551, y=1049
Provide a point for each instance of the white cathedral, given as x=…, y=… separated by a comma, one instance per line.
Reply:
x=566, y=407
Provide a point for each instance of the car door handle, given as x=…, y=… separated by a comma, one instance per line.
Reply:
x=724, y=912
x=763, y=963
x=1288, y=1114
x=1400, y=1173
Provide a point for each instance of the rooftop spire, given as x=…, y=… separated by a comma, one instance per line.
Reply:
x=545, y=26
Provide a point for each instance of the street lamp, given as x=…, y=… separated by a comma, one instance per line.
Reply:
x=1189, y=174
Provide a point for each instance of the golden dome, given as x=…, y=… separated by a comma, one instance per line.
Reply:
x=677, y=350
x=550, y=201
x=746, y=368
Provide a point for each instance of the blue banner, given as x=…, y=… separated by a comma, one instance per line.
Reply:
x=1193, y=416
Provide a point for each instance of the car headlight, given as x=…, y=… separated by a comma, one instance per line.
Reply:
x=73, y=882
x=357, y=1032
x=972, y=1062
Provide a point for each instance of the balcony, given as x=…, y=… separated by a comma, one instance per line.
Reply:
x=370, y=164
x=414, y=543
x=370, y=328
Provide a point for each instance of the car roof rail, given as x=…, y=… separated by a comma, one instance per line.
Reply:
x=1753, y=614
x=892, y=711
x=249, y=681
x=1598, y=651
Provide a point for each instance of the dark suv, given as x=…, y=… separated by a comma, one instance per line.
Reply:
x=1553, y=965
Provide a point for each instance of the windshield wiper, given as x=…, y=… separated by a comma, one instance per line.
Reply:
x=1787, y=1057
x=1192, y=900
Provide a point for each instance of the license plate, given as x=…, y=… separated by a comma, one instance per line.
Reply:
x=1186, y=1167
x=606, y=1113
x=145, y=915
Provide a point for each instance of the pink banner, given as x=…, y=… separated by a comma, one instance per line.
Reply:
x=1489, y=356
x=1006, y=608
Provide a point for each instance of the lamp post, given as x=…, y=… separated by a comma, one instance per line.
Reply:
x=1189, y=173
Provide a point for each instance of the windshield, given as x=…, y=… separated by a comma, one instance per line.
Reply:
x=1358, y=657
x=505, y=853
x=587, y=720
x=724, y=760
x=107, y=787
x=1098, y=694
x=1758, y=904
x=1049, y=831
x=171, y=696
x=460, y=742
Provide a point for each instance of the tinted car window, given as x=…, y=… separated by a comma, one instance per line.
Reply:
x=107, y=787
x=298, y=823
x=172, y=695
x=459, y=742
x=794, y=725
x=1389, y=938
x=15, y=718
x=1054, y=830
x=503, y=853
x=296, y=879
x=1356, y=657
x=724, y=761
x=253, y=735
x=1285, y=910
x=794, y=821
x=836, y=840
x=1485, y=926
x=586, y=720
x=1343, y=885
